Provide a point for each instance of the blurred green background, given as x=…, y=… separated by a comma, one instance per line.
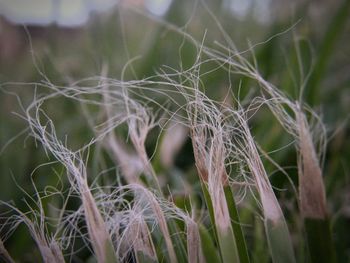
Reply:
x=67, y=51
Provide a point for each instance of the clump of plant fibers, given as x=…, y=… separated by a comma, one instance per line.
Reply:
x=139, y=213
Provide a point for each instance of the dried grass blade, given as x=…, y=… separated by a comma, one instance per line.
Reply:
x=99, y=236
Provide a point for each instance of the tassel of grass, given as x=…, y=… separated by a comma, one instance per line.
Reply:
x=160, y=217
x=313, y=198
x=212, y=175
x=311, y=189
x=77, y=176
x=35, y=221
x=99, y=237
x=276, y=228
x=141, y=241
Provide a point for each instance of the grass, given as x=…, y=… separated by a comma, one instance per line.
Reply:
x=204, y=159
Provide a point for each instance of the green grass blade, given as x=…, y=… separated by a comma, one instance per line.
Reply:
x=259, y=244
x=228, y=246
x=142, y=258
x=210, y=209
x=279, y=241
x=326, y=50
x=178, y=242
x=208, y=246
x=319, y=239
x=225, y=237
x=111, y=257
x=235, y=224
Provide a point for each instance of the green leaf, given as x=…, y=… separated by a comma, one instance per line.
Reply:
x=235, y=223
x=336, y=26
x=319, y=239
x=208, y=246
x=279, y=241
x=225, y=237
